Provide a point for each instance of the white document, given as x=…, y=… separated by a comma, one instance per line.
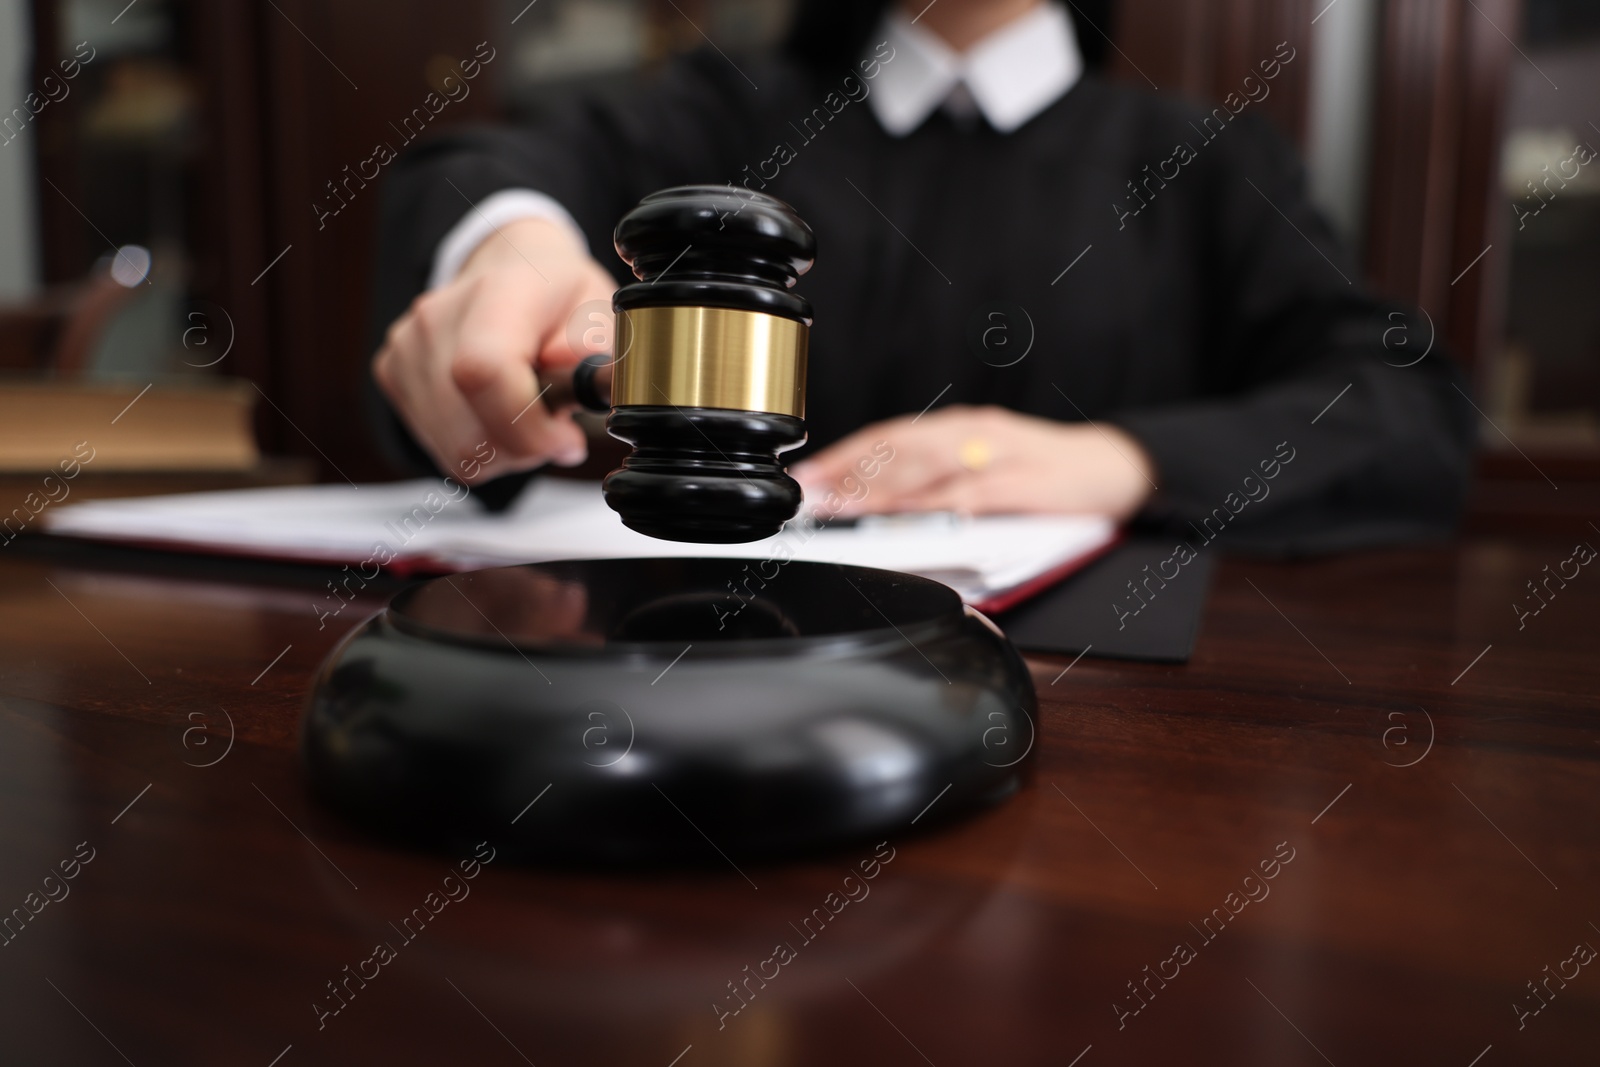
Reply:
x=432, y=525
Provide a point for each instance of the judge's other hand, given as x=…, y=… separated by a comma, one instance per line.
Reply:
x=979, y=460
x=462, y=365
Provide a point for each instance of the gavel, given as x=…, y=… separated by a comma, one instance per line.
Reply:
x=708, y=379
x=421, y=723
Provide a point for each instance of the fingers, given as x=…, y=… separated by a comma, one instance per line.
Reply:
x=1012, y=492
x=838, y=479
x=499, y=339
x=421, y=393
x=460, y=365
x=825, y=469
x=976, y=461
x=587, y=330
x=914, y=455
x=587, y=327
x=1076, y=471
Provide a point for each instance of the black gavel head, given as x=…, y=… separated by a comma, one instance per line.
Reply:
x=709, y=379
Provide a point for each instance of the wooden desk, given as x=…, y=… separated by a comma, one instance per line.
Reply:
x=1419, y=900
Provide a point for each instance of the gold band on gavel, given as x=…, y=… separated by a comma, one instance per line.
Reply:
x=710, y=358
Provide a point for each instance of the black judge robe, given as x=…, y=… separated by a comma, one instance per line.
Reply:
x=1214, y=315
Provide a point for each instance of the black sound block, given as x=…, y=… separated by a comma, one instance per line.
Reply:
x=668, y=709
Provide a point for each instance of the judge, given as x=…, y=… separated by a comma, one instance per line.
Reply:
x=1046, y=292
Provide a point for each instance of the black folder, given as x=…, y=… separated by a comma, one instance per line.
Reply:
x=1084, y=613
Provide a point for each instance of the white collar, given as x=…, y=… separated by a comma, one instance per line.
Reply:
x=1011, y=75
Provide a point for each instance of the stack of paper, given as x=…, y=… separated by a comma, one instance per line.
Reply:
x=992, y=561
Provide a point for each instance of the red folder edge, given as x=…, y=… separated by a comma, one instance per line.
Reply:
x=1010, y=598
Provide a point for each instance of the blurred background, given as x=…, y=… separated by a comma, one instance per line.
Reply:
x=166, y=214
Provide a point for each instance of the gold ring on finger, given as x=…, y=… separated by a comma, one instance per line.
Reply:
x=975, y=454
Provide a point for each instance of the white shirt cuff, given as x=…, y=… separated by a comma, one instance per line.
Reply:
x=485, y=219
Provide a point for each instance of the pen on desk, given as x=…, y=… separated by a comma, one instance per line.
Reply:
x=917, y=519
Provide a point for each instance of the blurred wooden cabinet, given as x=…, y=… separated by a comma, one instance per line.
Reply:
x=1481, y=206
x=1476, y=138
x=210, y=130
x=1206, y=48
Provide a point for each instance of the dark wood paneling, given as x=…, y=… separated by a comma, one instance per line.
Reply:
x=1413, y=188
x=228, y=242
x=64, y=250
x=336, y=76
x=1477, y=301
x=1439, y=120
x=1436, y=212
x=1206, y=48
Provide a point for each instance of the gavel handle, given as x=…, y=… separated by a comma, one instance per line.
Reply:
x=586, y=385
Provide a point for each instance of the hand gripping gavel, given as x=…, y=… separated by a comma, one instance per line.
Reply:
x=708, y=381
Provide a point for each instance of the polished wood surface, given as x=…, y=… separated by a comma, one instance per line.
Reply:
x=1430, y=767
